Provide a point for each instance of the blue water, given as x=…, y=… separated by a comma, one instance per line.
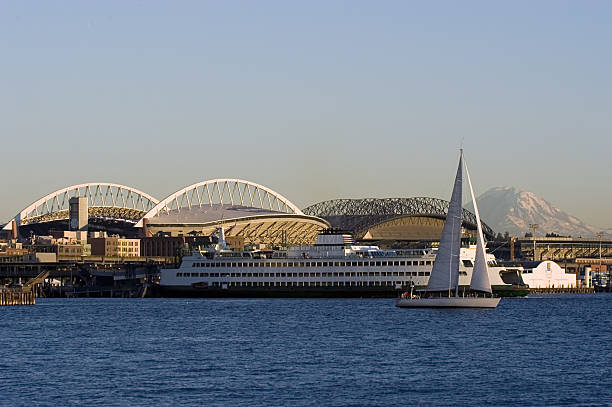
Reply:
x=548, y=350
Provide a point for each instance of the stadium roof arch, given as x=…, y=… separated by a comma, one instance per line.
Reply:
x=243, y=208
x=105, y=200
x=371, y=216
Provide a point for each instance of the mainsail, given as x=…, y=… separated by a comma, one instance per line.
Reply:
x=445, y=273
x=480, y=274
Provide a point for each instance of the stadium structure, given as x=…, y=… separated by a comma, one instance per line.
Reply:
x=111, y=207
x=244, y=209
x=392, y=219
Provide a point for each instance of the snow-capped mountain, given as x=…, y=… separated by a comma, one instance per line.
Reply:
x=512, y=210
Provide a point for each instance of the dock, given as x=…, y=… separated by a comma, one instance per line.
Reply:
x=16, y=296
x=573, y=290
x=24, y=295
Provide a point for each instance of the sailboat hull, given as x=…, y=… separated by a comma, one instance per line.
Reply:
x=447, y=302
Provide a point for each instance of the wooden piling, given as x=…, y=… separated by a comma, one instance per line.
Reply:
x=16, y=296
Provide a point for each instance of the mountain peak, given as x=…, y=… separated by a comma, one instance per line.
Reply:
x=512, y=210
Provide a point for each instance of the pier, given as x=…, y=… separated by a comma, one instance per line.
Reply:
x=24, y=295
x=16, y=296
x=573, y=290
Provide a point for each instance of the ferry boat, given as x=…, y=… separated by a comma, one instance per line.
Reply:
x=333, y=267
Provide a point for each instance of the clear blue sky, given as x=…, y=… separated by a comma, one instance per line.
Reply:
x=316, y=100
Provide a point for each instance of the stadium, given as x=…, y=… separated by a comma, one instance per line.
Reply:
x=244, y=209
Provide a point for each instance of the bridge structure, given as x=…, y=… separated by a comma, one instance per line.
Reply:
x=244, y=209
x=107, y=202
x=418, y=218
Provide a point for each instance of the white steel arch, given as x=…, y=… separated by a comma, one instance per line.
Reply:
x=99, y=194
x=223, y=191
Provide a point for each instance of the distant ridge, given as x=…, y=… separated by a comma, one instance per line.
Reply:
x=508, y=209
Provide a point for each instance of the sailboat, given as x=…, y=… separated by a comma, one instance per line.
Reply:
x=443, y=287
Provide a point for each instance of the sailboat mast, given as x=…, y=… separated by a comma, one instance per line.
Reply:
x=458, y=250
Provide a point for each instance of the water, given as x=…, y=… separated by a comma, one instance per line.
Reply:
x=548, y=350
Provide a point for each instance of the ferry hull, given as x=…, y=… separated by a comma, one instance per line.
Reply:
x=448, y=302
x=300, y=292
x=280, y=292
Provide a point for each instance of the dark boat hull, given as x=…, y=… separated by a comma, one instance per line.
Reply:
x=309, y=292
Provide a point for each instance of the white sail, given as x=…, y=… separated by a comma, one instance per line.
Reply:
x=480, y=274
x=445, y=272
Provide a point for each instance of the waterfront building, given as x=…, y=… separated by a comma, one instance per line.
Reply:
x=548, y=274
x=115, y=246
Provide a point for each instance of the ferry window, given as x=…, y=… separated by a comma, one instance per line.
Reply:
x=428, y=263
x=402, y=263
x=384, y=264
x=427, y=273
x=468, y=263
x=193, y=265
x=378, y=264
x=179, y=274
x=414, y=273
x=396, y=263
x=421, y=273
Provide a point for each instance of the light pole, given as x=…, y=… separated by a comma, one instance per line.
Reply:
x=534, y=227
x=599, y=273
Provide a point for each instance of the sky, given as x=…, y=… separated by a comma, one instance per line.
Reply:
x=316, y=100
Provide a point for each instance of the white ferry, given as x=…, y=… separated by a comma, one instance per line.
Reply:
x=333, y=267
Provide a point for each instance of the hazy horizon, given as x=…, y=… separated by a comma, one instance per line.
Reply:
x=316, y=100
